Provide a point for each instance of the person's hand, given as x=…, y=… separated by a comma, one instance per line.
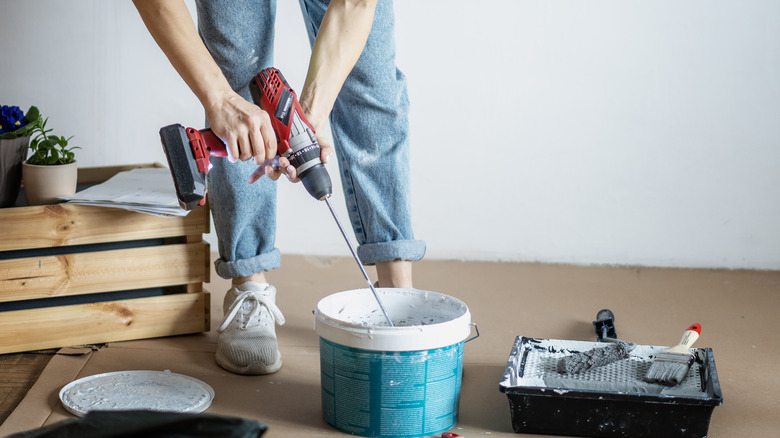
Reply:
x=276, y=167
x=326, y=148
x=244, y=127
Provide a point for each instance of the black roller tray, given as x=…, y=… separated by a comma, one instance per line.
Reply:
x=608, y=401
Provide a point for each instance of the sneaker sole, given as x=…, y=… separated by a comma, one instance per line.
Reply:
x=253, y=368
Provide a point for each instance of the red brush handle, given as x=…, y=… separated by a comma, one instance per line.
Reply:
x=689, y=337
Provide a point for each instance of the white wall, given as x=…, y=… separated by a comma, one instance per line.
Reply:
x=587, y=132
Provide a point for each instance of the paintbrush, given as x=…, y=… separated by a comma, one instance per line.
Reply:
x=671, y=365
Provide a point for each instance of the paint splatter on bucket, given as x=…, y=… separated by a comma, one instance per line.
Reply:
x=383, y=381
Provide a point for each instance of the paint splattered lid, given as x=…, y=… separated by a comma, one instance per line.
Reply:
x=132, y=390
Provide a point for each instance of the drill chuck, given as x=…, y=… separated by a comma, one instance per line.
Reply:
x=304, y=154
x=317, y=182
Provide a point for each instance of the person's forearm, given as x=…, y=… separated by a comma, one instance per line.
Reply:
x=340, y=41
x=243, y=126
x=171, y=26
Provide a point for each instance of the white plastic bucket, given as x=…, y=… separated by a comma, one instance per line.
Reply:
x=383, y=381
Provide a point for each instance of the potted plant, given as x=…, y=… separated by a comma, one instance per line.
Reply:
x=15, y=130
x=51, y=171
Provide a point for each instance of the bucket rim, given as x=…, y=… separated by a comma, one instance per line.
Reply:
x=326, y=318
x=355, y=334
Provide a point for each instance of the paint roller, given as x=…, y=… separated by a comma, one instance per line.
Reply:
x=604, y=327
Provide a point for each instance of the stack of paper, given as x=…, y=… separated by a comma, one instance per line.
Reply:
x=145, y=190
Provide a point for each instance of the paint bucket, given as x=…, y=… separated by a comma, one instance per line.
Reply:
x=383, y=381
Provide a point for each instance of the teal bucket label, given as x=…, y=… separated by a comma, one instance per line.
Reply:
x=388, y=393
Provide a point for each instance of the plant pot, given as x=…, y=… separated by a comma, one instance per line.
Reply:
x=43, y=184
x=12, y=153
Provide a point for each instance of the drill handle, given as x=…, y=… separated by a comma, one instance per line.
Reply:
x=205, y=144
x=212, y=144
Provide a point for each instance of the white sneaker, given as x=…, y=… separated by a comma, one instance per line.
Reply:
x=247, y=336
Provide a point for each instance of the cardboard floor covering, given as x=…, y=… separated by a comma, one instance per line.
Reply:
x=737, y=309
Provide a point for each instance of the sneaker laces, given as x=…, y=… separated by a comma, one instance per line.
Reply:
x=251, y=318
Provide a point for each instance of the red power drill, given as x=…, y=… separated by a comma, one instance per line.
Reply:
x=188, y=150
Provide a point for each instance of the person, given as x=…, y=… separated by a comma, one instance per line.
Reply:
x=353, y=82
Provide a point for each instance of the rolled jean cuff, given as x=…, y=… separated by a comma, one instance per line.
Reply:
x=407, y=250
x=246, y=267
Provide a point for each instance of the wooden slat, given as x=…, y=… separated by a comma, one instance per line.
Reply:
x=45, y=226
x=103, y=271
x=93, y=323
x=63, y=224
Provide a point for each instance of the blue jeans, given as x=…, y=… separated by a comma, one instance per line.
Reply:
x=370, y=131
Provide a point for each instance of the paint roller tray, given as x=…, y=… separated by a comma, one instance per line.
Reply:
x=608, y=401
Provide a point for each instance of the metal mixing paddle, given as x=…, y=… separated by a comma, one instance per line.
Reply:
x=360, y=264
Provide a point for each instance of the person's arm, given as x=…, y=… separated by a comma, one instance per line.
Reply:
x=243, y=126
x=340, y=41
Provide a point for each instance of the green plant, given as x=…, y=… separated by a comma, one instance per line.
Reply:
x=49, y=149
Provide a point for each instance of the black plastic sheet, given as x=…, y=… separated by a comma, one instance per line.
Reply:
x=149, y=424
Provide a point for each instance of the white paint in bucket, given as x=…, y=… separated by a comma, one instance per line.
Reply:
x=384, y=381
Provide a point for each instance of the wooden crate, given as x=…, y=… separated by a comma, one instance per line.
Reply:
x=72, y=275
